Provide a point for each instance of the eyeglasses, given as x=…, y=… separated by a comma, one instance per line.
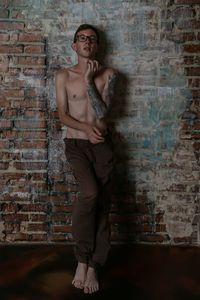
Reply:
x=83, y=38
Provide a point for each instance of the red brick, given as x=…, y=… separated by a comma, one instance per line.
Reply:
x=154, y=238
x=19, y=236
x=11, y=25
x=6, y=124
x=38, y=217
x=161, y=228
x=4, y=63
x=62, y=228
x=187, y=2
x=39, y=104
x=27, y=124
x=37, y=135
x=4, y=13
x=194, y=82
x=17, y=14
x=34, y=71
x=9, y=156
x=61, y=217
x=196, y=146
x=31, y=145
x=9, y=113
x=30, y=165
x=34, y=49
x=37, y=114
x=13, y=176
x=14, y=71
x=15, y=217
x=183, y=240
x=14, y=37
x=4, y=144
x=11, y=227
x=31, y=61
x=10, y=207
x=192, y=60
x=196, y=125
x=195, y=93
x=4, y=165
x=31, y=37
x=13, y=93
x=20, y=3
x=37, y=237
x=62, y=208
x=139, y=227
x=195, y=136
x=5, y=3
x=193, y=71
x=185, y=24
x=188, y=36
x=182, y=12
x=4, y=37
x=60, y=237
x=37, y=227
x=33, y=207
x=33, y=25
x=192, y=48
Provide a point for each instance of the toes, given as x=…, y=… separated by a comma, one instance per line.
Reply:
x=91, y=289
x=78, y=284
x=86, y=290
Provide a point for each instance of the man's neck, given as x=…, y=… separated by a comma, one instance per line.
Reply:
x=82, y=64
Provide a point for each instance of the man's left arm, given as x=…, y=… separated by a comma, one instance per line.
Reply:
x=101, y=103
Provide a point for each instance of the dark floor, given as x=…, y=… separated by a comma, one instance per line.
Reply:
x=139, y=272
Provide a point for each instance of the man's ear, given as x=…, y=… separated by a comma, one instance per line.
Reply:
x=73, y=45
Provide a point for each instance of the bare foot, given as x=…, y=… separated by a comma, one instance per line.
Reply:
x=80, y=276
x=91, y=283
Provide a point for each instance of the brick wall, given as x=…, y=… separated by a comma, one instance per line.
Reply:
x=155, y=120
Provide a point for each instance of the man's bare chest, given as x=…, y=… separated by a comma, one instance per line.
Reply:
x=77, y=90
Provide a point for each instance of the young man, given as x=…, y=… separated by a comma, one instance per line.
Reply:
x=84, y=93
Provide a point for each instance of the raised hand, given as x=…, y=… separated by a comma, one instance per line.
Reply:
x=92, y=69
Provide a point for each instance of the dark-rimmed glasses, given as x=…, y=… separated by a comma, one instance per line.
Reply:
x=83, y=38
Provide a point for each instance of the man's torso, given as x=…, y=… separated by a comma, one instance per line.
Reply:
x=79, y=106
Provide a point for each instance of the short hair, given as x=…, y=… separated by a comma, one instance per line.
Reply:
x=84, y=27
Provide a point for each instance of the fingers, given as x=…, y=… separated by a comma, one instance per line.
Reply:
x=93, y=65
x=96, y=136
x=97, y=131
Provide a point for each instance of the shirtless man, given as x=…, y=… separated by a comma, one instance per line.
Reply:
x=84, y=92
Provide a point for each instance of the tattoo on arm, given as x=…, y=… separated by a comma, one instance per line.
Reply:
x=109, y=90
x=97, y=103
x=101, y=104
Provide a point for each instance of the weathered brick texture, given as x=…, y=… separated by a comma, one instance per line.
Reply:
x=24, y=115
x=154, y=121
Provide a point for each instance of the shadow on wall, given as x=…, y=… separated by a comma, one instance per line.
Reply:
x=123, y=197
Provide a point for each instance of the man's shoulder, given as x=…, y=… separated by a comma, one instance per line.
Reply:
x=62, y=73
x=109, y=72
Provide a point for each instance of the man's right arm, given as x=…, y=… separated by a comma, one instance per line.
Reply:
x=94, y=135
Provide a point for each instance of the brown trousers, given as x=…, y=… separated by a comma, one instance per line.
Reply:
x=92, y=166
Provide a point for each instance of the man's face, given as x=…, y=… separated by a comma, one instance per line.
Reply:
x=86, y=43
